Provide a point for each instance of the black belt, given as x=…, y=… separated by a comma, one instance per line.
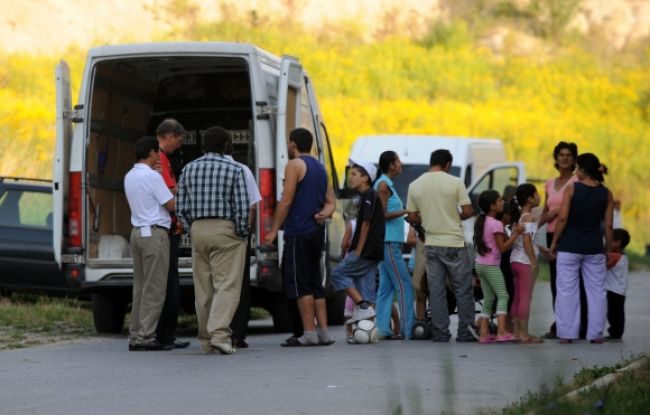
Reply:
x=155, y=226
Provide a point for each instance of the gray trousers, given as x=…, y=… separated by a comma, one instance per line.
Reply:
x=455, y=263
x=150, y=266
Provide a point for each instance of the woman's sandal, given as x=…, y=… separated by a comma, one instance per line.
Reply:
x=566, y=341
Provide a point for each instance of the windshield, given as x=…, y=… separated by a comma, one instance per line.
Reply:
x=411, y=172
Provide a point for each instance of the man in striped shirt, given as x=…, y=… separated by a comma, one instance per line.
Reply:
x=213, y=205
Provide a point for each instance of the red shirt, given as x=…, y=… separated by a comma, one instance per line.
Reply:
x=167, y=173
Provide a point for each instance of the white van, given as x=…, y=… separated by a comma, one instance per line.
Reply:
x=126, y=90
x=480, y=162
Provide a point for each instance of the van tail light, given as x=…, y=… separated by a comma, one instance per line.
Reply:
x=267, y=205
x=74, y=210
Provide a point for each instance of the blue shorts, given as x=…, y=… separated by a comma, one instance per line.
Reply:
x=359, y=273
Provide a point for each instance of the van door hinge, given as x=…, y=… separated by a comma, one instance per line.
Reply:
x=264, y=110
x=74, y=115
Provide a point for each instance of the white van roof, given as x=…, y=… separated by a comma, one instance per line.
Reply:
x=417, y=148
x=178, y=49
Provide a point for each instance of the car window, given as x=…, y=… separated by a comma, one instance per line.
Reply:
x=26, y=209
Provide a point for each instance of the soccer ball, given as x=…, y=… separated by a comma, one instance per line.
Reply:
x=364, y=331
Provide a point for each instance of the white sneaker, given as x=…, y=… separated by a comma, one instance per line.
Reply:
x=361, y=314
x=223, y=348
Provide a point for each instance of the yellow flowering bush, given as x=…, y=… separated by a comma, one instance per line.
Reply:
x=400, y=85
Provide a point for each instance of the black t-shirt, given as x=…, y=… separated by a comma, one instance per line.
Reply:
x=370, y=208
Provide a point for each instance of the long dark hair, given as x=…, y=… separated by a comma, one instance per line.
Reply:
x=590, y=164
x=485, y=200
x=514, y=205
x=386, y=158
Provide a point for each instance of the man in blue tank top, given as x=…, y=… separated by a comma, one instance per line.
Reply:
x=307, y=200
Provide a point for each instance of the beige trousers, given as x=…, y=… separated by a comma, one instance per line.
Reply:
x=218, y=257
x=150, y=266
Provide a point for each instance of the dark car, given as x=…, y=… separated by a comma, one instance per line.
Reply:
x=26, y=248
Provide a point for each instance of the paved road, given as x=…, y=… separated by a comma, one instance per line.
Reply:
x=100, y=376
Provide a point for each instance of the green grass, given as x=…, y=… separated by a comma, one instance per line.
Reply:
x=628, y=394
x=28, y=320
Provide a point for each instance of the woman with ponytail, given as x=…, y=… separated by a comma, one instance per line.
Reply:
x=394, y=278
x=578, y=246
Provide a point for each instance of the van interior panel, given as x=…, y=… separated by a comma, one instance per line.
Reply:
x=130, y=97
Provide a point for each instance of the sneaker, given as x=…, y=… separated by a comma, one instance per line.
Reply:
x=440, y=339
x=362, y=314
x=223, y=348
x=350, y=340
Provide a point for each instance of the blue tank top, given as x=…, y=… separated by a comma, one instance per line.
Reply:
x=582, y=234
x=308, y=200
x=395, y=226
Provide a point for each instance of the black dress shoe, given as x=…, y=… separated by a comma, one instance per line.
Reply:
x=151, y=346
x=179, y=344
x=239, y=344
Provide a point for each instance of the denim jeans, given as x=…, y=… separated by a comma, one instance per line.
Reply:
x=356, y=272
x=452, y=263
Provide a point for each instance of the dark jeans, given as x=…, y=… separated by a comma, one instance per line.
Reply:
x=615, y=314
x=552, y=265
x=242, y=316
x=166, y=330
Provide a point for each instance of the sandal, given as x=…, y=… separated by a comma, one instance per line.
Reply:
x=486, y=340
x=393, y=336
x=508, y=337
x=566, y=341
x=599, y=340
x=291, y=342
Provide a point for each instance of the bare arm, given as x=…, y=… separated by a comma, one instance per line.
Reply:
x=562, y=217
x=384, y=194
x=170, y=205
x=530, y=251
x=412, y=237
x=414, y=217
x=502, y=243
x=291, y=176
x=328, y=207
x=466, y=212
x=347, y=239
x=363, y=235
x=545, y=217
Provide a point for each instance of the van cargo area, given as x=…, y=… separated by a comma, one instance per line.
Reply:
x=130, y=98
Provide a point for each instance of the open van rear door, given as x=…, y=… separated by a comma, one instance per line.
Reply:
x=288, y=118
x=61, y=153
x=502, y=177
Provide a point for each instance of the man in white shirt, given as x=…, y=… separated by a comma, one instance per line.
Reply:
x=150, y=201
x=239, y=322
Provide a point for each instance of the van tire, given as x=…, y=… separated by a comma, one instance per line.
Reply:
x=109, y=311
x=280, y=313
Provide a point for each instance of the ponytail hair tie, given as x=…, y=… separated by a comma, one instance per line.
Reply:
x=602, y=169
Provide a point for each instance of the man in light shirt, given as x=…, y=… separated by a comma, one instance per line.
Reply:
x=439, y=202
x=150, y=201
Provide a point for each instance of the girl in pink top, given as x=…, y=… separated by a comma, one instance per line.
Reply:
x=490, y=241
x=564, y=156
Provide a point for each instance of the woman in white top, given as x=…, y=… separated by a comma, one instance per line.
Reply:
x=523, y=261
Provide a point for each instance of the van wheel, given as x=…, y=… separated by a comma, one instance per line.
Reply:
x=335, y=306
x=280, y=312
x=109, y=311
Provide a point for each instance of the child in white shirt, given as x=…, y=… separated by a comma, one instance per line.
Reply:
x=616, y=284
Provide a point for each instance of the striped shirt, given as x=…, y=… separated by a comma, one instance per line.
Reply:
x=213, y=187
